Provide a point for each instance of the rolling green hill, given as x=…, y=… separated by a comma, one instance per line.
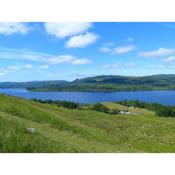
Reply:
x=111, y=83
x=73, y=130
x=103, y=83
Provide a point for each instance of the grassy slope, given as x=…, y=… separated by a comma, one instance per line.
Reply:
x=64, y=130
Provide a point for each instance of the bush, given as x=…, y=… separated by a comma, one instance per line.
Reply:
x=166, y=111
x=101, y=108
x=68, y=104
x=65, y=104
x=159, y=109
x=114, y=111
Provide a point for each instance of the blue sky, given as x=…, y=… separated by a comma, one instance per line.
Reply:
x=66, y=51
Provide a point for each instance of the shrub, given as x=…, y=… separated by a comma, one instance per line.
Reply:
x=101, y=108
x=159, y=109
x=114, y=111
x=165, y=111
x=68, y=104
x=65, y=104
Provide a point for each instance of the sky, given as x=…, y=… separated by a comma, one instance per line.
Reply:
x=67, y=51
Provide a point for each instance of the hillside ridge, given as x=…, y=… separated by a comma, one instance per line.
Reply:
x=102, y=83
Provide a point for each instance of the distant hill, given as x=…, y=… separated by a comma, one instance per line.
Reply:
x=36, y=84
x=110, y=83
x=131, y=80
x=103, y=83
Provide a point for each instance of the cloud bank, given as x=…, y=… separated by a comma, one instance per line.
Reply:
x=156, y=53
x=81, y=41
x=9, y=28
x=63, y=30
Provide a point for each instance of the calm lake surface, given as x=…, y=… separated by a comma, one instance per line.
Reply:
x=163, y=97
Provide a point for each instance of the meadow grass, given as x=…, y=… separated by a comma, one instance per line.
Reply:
x=60, y=130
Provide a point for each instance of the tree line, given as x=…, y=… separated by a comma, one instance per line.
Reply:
x=65, y=104
x=72, y=105
x=159, y=109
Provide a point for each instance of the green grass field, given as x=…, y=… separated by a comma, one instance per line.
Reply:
x=61, y=130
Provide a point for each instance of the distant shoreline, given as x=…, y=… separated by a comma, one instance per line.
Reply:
x=103, y=83
x=145, y=90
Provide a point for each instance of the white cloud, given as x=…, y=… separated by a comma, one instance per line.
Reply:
x=105, y=49
x=27, y=66
x=15, y=54
x=129, y=39
x=81, y=61
x=159, y=52
x=9, y=28
x=109, y=44
x=124, y=49
x=68, y=59
x=118, y=65
x=3, y=73
x=44, y=66
x=162, y=66
x=82, y=40
x=62, y=30
x=14, y=68
x=117, y=50
x=19, y=54
x=60, y=59
x=170, y=59
x=110, y=66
